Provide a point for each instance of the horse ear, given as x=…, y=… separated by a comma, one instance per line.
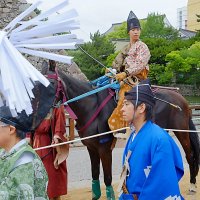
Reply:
x=52, y=65
x=45, y=68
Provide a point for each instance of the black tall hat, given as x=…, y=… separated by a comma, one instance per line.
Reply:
x=142, y=93
x=132, y=21
x=43, y=101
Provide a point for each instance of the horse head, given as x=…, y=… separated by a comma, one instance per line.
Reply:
x=50, y=71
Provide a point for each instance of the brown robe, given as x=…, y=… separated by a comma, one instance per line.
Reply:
x=53, y=126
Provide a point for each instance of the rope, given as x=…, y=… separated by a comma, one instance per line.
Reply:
x=105, y=133
x=90, y=56
x=80, y=139
x=90, y=93
x=173, y=105
x=94, y=59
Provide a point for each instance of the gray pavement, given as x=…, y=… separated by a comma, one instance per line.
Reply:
x=79, y=169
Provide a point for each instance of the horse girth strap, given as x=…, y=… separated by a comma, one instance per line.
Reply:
x=97, y=111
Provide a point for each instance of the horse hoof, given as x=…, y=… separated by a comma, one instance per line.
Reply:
x=193, y=189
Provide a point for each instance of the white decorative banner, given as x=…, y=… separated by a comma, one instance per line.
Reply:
x=17, y=74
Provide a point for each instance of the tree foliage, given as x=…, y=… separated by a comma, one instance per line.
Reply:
x=172, y=59
x=155, y=27
x=152, y=27
x=160, y=47
x=99, y=48
x=185, y=64
x=119, y=32
x=163, y=40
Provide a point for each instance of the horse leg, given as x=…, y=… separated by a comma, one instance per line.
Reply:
x=184, y=139
x=106, y=159
x=95, y=165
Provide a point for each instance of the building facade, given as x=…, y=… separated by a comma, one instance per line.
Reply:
x=182, y=18
x=193, y=9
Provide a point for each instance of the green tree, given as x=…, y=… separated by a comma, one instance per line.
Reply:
x=155, y=27
x=152, y=27
x=99, y=48
x=120, y=32
x=110, y=58
x=160, y=47
x=185, y=64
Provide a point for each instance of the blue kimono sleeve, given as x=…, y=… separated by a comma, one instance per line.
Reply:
x=166, y=171
x=126, y=197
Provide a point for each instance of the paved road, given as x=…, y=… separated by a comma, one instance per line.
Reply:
x=79, y=169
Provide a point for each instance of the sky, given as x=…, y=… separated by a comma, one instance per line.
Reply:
x=99, y=15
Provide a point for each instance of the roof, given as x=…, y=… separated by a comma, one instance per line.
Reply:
x=112, y=28
x=186, y=34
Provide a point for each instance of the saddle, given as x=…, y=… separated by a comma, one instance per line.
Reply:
x=116, y=120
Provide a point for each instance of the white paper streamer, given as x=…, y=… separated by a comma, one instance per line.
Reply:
x=17, y=75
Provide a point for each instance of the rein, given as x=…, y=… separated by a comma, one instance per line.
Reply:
x=60, y=89
x=98, y=110
x=91, y=92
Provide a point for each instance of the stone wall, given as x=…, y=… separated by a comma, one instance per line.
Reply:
x=188, y=90
x=9, y=9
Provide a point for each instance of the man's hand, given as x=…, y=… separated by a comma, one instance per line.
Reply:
x=110, y=70
x=121, y=76
x=107, y=70
x=56, y=141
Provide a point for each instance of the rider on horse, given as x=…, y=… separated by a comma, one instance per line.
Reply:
x=131, y=61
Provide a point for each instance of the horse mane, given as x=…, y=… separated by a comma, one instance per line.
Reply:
x=71, y=81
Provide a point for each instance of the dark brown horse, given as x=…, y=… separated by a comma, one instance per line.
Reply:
x=100, y=148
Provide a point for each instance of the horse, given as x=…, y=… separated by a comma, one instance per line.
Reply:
x=100, y=148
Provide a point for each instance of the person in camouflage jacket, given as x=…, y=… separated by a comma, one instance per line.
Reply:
x=22, y=174
x=131, y=61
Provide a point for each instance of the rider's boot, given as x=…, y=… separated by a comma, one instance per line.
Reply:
x=110, y=195
x=96, y=190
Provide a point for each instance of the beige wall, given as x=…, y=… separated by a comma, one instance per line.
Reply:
x=119, y=44
x=193, y=9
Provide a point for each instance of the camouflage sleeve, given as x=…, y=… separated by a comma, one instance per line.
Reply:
x=119, y=62
x=19, y=184
x=138, y=59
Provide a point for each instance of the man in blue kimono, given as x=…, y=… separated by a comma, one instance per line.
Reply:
x=152, y=161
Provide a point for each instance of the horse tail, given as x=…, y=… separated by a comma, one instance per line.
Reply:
x=194, y=139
